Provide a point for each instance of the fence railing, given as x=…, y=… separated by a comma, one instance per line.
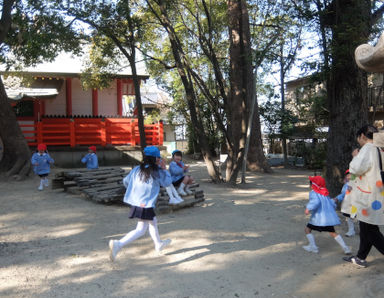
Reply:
x=90, y=131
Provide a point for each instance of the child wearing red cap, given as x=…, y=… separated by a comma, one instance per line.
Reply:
x=91, y=158
x=323, y=215
x=41, y=162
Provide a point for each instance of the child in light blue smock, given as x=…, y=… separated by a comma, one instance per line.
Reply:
x=323, y=215
x=178, y=172
x=91, y=159
x=41, y=162
x=340, y=198
x=143, y=187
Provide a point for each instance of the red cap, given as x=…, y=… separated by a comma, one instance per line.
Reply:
x=318, y=185
x=41, y=147
x=93, y=148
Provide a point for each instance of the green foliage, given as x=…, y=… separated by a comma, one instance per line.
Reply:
x=39, y=32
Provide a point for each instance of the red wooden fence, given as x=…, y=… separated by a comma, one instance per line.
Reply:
x=90, y=131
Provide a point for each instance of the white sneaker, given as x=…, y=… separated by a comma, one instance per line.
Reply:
x=347, y=250
x=179, y=199
x=114, y=248
x=189, y=192
x=173, y=201
x=181, y=192
x=40, y=187
x=163, y=244
x=311, y=248
x=350, y=234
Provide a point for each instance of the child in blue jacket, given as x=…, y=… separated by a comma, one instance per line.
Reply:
x=91, y=159
x=323, y=215
x=340, y=198
x=178, y=172
x=143, y=186
x=41, y=162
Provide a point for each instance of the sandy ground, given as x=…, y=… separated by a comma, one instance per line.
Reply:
x=241, y=242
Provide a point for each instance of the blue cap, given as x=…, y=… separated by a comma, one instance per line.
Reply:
x=176, y=151
x=152, y=151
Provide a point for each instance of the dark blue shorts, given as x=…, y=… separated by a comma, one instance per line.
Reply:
x=330, y=229
x=178, y=182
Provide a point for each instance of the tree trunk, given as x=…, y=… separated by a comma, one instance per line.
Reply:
x=16, y=159
x=182, y=68
x=347, y=88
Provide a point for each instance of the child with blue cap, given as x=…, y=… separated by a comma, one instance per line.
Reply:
x=143, y=187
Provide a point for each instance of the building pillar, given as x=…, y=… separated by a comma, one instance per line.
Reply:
x=68, y=94
x=119, y=97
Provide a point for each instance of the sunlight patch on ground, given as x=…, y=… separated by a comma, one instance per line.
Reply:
x=67, y=230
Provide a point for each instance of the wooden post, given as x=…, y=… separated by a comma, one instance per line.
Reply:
x=95, y=102
x=161, y=133
x=119, y=98
x=39, y=127
x=103, y=127
x=68, y=94
x=133, y=133
x=72, y=135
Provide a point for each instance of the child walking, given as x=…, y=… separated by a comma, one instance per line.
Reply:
x=340, y=198
x=91, y=158
x=178, y=169
x=41, y=162
x=143, y=186
x=323, y=215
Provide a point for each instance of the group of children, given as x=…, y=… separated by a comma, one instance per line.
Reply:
x=143, y=186
x=42, y=161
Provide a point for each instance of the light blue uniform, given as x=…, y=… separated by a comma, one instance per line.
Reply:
x=91, y=160
x=144, y=193
x=341, y=196
x=322, y=210
x=176, y=171
x=43, y=163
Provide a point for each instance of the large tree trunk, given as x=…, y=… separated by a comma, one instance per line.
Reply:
x=185, y=75
x=347, y=87
x=240, y=99
x=16, y=158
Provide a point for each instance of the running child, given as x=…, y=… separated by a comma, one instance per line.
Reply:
x=41, y=162
x=143, y=186
x=178, y=172
x=323, y=215
x=91, y=158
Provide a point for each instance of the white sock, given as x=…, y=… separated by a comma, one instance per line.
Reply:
x=311, y=240
x=341, y=242
x=351, y=226
x=169, y=192
x=154, y=232
x=140, y=230
x=175, y=193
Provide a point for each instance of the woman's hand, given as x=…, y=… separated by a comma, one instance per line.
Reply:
x=355, y=152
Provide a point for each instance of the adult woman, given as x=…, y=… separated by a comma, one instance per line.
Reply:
x=365, y=195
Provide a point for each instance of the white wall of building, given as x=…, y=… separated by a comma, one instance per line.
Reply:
x=56, y=106
x=81, y=99
x=108, y=101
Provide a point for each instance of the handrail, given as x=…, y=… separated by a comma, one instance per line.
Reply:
x=90, y=131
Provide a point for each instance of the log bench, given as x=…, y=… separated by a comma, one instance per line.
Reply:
x=105, y=185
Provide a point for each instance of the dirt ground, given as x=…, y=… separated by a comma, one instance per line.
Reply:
x=241, y=242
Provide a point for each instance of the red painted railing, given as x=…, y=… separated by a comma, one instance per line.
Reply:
x=90, y=131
